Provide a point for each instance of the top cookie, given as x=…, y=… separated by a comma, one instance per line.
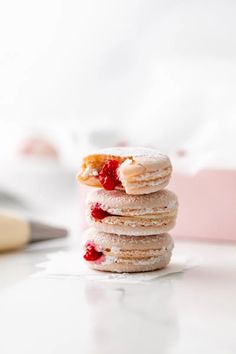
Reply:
x=134, y=170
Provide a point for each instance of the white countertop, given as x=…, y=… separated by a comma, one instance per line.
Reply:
x=189, y=312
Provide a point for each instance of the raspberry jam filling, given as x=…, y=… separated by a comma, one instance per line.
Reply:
x=108, y=176
x=98, y=213
x=91, y=253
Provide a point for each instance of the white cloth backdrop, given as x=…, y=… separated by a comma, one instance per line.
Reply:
x=160, y=72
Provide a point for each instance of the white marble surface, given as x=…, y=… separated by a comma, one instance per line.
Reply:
x=189, y=312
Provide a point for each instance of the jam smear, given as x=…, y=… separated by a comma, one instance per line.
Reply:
x=91, y=253
x=98, y=213
x=108, y=176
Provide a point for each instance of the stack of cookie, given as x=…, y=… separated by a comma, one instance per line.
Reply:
x=130, y=212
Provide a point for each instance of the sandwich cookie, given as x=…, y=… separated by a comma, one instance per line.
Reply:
x=135, y=170
x=135, y=215
x=113, y=253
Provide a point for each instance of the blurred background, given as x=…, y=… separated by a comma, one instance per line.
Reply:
x=76, y=76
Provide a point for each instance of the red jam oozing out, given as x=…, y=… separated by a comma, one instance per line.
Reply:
x=98, y=213
x=108, y=176
x=92, y=254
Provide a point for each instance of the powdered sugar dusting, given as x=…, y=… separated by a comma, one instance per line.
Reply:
x=132, y=152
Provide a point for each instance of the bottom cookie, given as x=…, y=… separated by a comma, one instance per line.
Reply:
x=126, y=254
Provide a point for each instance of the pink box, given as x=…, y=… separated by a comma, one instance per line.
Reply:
x=207, y=205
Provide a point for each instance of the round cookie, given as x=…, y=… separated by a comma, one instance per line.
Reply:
x=135, y=170
x=135, y=215
x=113, y=253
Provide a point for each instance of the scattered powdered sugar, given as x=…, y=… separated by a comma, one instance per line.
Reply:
x=134, y=152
